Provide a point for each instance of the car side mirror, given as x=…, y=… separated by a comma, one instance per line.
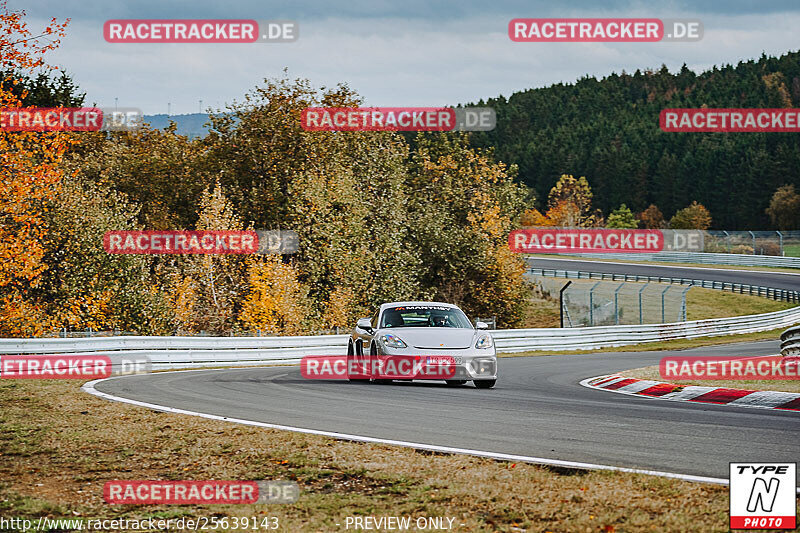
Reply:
x=481, y=325
x=364, y=323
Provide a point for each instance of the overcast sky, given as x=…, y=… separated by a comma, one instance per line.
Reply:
x=401, y=53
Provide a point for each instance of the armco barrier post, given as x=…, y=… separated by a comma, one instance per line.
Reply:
x=591, y=303
x=640, y=302
x=683, y=303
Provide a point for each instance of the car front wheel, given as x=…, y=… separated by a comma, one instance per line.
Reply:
x=484, y=383
x=350, y=357
x=373, y=356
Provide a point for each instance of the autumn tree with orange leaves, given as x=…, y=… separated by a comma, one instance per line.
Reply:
x=569, y=205
x=31, y=172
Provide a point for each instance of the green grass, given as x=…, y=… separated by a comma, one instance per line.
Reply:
x=710, y=303
x=791, y=250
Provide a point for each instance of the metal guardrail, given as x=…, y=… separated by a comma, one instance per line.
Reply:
x=172, y=353
x=64, y=333
x=784, y=295
x=509, y=341
x=790, y=342
x=702, y=258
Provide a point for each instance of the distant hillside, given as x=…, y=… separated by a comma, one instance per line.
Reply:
x=189, y=125
x=608, y=131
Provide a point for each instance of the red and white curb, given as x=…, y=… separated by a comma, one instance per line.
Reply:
x=785, y=401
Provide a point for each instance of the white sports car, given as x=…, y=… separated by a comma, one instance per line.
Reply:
x=434, y=339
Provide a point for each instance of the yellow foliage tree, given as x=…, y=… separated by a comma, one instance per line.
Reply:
x=570, y=202
x=207, y=293
x=277, y=301
x=462, y=222
x=534, y=217
x=339, y=310
x=695, y=216
x=569, y=205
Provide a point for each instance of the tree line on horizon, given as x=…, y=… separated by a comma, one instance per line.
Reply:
x=569, y=205
x=608, y=131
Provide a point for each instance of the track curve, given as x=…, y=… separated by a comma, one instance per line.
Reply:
x=764, y=278
x=537, y=409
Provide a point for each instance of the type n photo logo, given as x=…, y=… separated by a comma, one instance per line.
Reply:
x=763, y=495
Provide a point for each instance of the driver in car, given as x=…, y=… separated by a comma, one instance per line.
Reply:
x=439, y=321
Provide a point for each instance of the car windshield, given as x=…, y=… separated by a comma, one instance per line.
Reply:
x=424, y=316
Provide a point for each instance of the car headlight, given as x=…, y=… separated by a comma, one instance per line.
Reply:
x=392, y=341
x=484, y=341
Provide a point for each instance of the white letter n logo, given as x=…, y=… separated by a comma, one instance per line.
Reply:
x=763, y=495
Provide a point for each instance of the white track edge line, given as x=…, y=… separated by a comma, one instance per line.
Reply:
x=90, y=388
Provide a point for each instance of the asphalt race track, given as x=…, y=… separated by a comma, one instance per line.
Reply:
x=537, y=409
x=764, y=278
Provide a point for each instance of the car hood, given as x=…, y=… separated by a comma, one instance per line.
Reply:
x=435, y=338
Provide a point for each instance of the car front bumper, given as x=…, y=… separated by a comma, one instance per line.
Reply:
x=469, y=364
